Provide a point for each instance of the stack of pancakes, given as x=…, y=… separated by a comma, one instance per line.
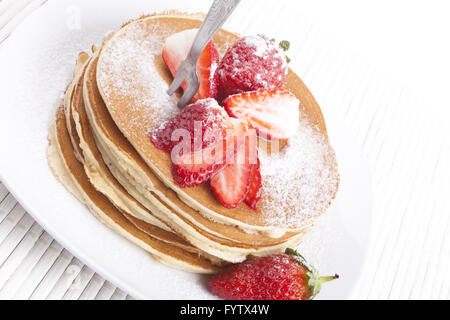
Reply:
x=100, y=149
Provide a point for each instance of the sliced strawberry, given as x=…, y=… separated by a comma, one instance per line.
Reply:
x=177, y=48
x=273, y=113
x=231, y=185
x=195, y=138
x=194, y=166
x=255, y=190
x=204, y=121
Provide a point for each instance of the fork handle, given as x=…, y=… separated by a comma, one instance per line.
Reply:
x=219, y=12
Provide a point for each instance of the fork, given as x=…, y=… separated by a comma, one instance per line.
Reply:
x=219, y=12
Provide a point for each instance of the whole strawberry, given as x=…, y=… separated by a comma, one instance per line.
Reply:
x=276, y=277
x=252, y=63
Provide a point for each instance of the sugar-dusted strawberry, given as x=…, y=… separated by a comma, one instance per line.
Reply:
x=273, y=113
x=252, y=63
x=192, y=169
x=197, y=160
x=177, y=48
x=276, y=277
x=203, y=121
x=231, y=184
x=256, y=189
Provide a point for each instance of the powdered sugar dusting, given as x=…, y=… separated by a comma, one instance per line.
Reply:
x=299, y=182
x=252, y=63
x=260, y=45
x=128, y=70
x=213, y=70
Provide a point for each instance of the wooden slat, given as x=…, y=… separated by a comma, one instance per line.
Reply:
x=3, y=192
x=92, y=288
x=12, y=11
x=106, y=291
x=14, y=237
x=14, y=282
x=18, y=17
x=39, y=271
x=19, y=254
x=66, y=280
x=79, y=284
x=51, y=278
x=11, y=221
x=118, y=295
x=6, y=205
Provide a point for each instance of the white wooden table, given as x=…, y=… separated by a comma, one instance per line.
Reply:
x=385, y=76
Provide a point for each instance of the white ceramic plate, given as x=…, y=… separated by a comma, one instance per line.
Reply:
x=36, y=63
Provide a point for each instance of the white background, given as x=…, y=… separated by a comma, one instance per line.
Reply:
x=408, y=38
x=380, y=66
x=407, y=44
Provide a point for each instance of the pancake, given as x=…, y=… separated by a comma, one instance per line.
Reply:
x=100, y=149
x=71, y=90
x=128, y=159
x=71, y=174
x=104, y=181
x=299, y=183
x=130, y=170
x=97, y=172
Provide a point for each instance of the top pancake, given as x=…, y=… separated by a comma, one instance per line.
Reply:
x=102, y=122
x=299, y=183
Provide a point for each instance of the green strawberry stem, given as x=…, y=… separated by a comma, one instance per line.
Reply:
x=285, y=45
x=328, y=279
x=314, y=280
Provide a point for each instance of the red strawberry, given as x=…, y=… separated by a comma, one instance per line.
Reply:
x=194, y=138
x=274, y=114
x=221, y=140
x=255, y=190
x=252, y=63
x=195, y=168
x=176, y=49
x=276, y=277
x=203, y=120
x=232, y=183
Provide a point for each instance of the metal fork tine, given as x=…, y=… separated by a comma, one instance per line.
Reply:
x=190, y=91
x=187, y=71
x=176, y=83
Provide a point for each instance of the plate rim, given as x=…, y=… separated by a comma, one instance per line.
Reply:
x=121, y=284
